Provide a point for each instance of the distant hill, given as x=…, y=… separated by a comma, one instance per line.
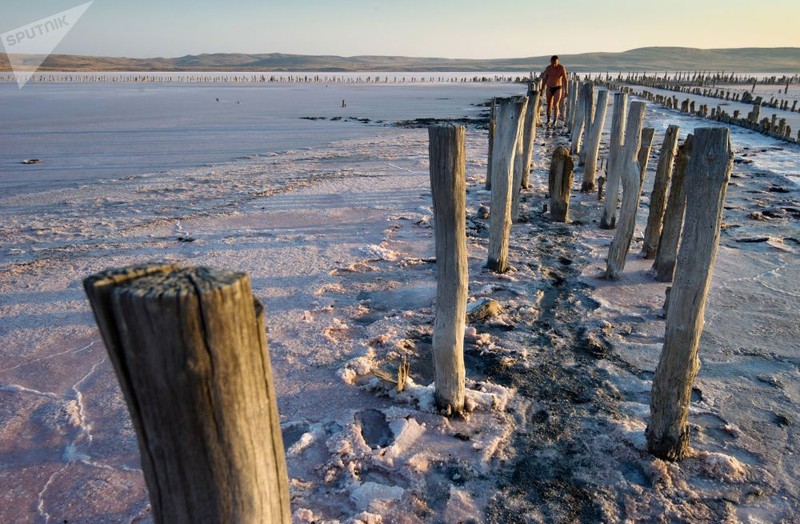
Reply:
x=763, y=60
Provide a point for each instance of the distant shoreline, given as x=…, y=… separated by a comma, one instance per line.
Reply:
x=766, y=60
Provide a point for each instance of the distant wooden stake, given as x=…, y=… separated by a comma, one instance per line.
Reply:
x=492, y=126
x=509, y=126
x=448, y=184
x=667, y=252
x=614, y=168
x=658, y=198
x=631, y=191
x=190, y=351
x=593, y=142
x=709, y=172
x=560, y=184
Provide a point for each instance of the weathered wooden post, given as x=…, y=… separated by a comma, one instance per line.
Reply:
x=592, y=145
x=579, y=123
x=189, y=349
x=709, y=172
x=658, y=198
x=614, y=169
x=529, y=138
x=631, y=191
x=519, y=161
x=448, y=184
x=572, y=99
x=492, y=128
x=509, y=126
x=588, y=117
x=644, y=151
x=667, y=251
x=560, y=184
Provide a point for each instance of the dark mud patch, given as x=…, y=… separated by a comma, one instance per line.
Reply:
x=471, y=122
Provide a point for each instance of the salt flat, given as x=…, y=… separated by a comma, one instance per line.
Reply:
x=331, y=220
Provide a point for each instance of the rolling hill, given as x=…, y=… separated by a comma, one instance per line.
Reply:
x=785, y=59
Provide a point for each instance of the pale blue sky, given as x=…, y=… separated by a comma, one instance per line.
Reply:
x=441, y=28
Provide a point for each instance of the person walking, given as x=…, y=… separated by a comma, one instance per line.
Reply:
x=556, y=85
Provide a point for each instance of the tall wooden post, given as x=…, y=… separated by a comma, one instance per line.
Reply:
x=710, y=169
x=593, y=142
x=510, y=114
x=579, y=123
x=560, y=184
x=571, y=100
x=631, y=191
x=492, y=126
x=448, y=184
x=588, y=96
x=667, y=251
x=614, y=169
x=530, y=134
x=523, y=155
x=644, y=151
x=658, y=197
x=189, y=349
x=519, y=160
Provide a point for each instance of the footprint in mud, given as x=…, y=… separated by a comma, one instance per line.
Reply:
x=634, y=474
x=292, y=433
x=374, y=428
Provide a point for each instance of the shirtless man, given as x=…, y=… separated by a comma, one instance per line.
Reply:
x=555, y=80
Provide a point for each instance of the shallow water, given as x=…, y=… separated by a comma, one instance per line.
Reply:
x=85, y=132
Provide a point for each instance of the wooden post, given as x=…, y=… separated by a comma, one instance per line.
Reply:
x=614, y=170
x=588, y=116
x=189, y=349
x=644, y=151
x=592, y=145
x=658, y=198
x=667, y=251
x=519, y=161
x=710, y=169
x=571, y=103
x=530, y=135
x=448, y=184
x=579, y=123
x=492, y=126
x=631, y=191
x=560, y=184
x=509, y=126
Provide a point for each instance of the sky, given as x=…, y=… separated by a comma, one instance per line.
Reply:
x=430, y=28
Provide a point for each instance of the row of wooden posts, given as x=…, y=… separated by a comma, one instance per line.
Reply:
x=715, y=92
x=682, y=232
x=189, y=347
x=701, y=78
x=771, y=126
x=256, y=77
